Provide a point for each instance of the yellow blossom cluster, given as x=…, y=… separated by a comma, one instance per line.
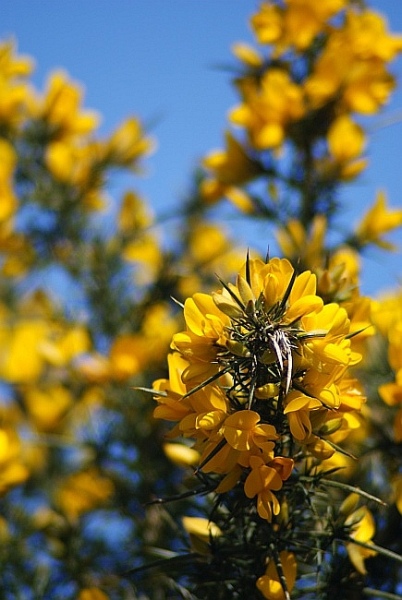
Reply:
x=262, y=368
x=388, y=316
x=308, y=100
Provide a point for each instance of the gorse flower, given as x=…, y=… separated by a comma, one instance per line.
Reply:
x=259, y=377
x=270, y=584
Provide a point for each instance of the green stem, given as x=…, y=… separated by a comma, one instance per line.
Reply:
x=379, y=549
x=348, y=488
x=380, y=594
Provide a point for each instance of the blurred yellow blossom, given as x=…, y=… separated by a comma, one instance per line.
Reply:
x=377, y=221
x=201, y=531
x=127, y=144
x=12, y=470
x=8, y=200
x=134, y=214
x=397, y=488
x=47, y=407
x=92, y=593
x=353, y=64
x=83, y=491
x=229, y=169
x=346, y=142
x=362, y=529
x=14, y=90
x=61, y=108
x=270, y=584
x=181, y=455
x=268, y=108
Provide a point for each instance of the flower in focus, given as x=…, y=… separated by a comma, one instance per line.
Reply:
x=263, y=480
x=262, y=368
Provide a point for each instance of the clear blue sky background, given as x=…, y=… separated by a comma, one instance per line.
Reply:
x=157, y=59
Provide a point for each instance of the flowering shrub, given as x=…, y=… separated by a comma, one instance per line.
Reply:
x=278, y=474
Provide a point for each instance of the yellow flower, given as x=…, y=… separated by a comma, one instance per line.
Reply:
x=397, y=489
x=12, y=66
x=47, y=407
x=205, y=331
x=229, y=169
x=260, y=359
x=92, y=593
x=247, y=54
x=377, y=221
x=8, y=200
x=267, y=24
x=21, y=361
x=144, y=250
x=181, y=455
x=353, y=64
x=201, y=531
x=264, y=478
x=270, y=584
x=346, y=142
x=127, y=144
x=82, y=492
x=299, y=244
x=269, y=108
x=304, y=19
x=134, y=214
x=15, y=94
x=12, y=470
x=61, y=108
x=243, y=431
x=362, y=527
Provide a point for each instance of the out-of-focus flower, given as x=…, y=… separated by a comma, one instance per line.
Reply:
x=201, y=532
x=92, y=593
x=299, y=244
x=248, y=55
x=12, y=469
x=268, y=108
x=397, y=489
x=294, y=25
x=144, y=251
x=15, y=93
x=377, y=221
x=229, y=169
x=362, y=529
x=181, y=455
x=8, y=200
x=134, y=214
x=346, y=142
x=47, y=407
x=353, y=64
x=270, y=584
x=83, y=491
x=127, y=144
x=61, y=108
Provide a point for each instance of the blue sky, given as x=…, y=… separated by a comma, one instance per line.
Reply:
x=159, y=59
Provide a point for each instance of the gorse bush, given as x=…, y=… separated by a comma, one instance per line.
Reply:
x=192, y=419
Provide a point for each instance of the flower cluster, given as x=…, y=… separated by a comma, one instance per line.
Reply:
x=260, y=378
x=319, y=66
